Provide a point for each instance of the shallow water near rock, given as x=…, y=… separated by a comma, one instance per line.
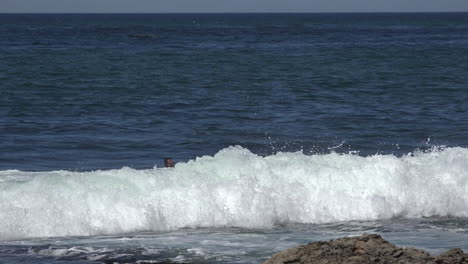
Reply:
x=230, y=245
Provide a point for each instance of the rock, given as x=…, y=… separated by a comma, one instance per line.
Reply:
x=452, y=256
x=363, y=249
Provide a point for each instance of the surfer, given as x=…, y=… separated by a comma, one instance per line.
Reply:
x=169, y=163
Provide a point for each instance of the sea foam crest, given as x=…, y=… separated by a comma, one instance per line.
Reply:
x=234, y=188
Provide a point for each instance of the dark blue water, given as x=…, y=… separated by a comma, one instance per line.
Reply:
x=87, y=92
x=78, y=92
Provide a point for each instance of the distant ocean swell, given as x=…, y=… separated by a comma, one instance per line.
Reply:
x=235, y=188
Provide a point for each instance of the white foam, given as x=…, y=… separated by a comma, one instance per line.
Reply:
x=234, y=188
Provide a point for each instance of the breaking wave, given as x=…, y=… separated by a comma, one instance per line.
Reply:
x=235, y=188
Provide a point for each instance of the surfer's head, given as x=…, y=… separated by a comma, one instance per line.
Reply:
x=168, y=163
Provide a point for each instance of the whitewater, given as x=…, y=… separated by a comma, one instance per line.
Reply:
x=235, y=188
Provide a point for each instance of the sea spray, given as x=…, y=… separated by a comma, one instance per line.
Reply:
x=235, y=188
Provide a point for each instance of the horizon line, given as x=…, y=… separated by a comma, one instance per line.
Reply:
x=257, y=12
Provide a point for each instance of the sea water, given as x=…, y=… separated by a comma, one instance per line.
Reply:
x=286, y=129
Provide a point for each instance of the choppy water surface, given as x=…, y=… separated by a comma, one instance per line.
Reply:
x=78, y=93
x=228, y=245
x=287, y=128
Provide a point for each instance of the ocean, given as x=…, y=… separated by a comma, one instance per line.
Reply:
x=285, y=128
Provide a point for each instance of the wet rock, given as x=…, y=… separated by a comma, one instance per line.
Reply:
x=362, y=250
x=452, y=256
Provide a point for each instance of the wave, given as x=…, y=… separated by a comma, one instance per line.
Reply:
x=235, y=188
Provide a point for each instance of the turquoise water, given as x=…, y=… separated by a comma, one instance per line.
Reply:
x=286, y=128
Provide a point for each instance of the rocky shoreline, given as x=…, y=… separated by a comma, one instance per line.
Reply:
x=363, y=249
